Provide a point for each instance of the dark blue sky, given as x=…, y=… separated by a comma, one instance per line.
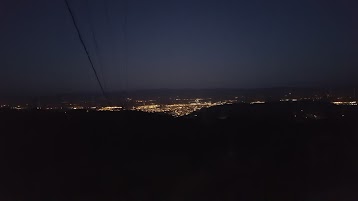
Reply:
x=177, y=44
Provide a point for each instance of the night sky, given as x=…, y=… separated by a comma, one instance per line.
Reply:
x=149, y=44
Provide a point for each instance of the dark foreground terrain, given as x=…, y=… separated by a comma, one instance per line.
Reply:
x=291, y=151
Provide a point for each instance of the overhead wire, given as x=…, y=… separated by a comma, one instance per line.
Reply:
x=85, y=48
x=96, y=45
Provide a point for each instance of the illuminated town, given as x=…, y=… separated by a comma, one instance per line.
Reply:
x=181, y=107
x=176, y=106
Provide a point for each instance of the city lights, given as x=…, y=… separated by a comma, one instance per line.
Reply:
x=345, y=102
x=113, y=108
x=175, y=106
x=257, y=102
x=177, y=110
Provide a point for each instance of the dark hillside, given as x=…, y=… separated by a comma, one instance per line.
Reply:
x=232, y=152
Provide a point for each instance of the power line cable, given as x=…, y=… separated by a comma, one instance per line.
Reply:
x=85, y=48
x=97, y=50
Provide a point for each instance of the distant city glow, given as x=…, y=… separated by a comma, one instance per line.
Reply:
x=175, y=105
x=178, y=110
x=288, y=100
x=112, y=108
x=257, y=102
x=345, y=102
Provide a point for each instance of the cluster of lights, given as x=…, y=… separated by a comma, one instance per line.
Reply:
x=345, y=102
x=257, y=102
x=178, y=110
x=76, y=108
x=143, y=101
x=175, y=109
x=18, y=108
x=112, y=109
x=289, y=100
x=53, y=108
x=181, y=107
